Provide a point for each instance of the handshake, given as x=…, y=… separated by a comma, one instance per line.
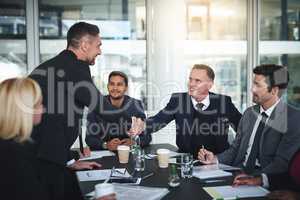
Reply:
x=137, y=126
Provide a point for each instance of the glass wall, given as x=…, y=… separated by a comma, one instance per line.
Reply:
x=280, y=41
x=180, y=33
x=217, y=37
x=187, y=32
x=122, y=29
x=13, y=57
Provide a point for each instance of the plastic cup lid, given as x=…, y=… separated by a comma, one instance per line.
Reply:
x=163, y=151
x=123, y=147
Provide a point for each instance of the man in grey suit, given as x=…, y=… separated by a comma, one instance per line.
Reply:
x=268, y=133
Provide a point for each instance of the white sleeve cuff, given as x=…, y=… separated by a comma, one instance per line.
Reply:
x=265, y=181
x=70, y=162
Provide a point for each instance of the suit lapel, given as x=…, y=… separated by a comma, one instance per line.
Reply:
x=277, y=121
x=190, y=113
x=251, y=123
x=189, y=116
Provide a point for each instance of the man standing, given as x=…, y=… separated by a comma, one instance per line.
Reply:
x=268, y=133
x=202, y=117
x=67, y=88
x=102, y=134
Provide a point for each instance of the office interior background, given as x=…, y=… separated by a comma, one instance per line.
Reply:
x=156, y=42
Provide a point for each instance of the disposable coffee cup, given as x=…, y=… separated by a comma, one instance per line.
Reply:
x=163, y=157
x=123, y=153
x=103, y=189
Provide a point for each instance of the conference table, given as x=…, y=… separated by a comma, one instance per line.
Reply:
x=189, y=189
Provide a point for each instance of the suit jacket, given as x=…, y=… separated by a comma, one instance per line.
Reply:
x=99, y=130
x=192, y=132
x=67, y=87
x=286, y=180
x=19, y=179
x=280, y=139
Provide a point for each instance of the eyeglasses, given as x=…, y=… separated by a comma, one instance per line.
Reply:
x=115, y=173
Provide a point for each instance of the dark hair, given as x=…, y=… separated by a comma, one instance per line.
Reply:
x=210, y=72
x=276, y=75
x=118, y=73
x=79, y=30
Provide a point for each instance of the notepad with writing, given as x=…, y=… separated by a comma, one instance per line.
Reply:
x=229, y=192
x=101, y=174
x=205, y=174
x=97, y=155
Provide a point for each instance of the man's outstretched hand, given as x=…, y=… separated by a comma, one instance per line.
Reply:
x=137, y=126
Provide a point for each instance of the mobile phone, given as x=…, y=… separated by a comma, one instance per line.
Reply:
x=123, y=180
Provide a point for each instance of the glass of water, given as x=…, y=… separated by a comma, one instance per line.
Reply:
x=186, y=165
x=139, y=158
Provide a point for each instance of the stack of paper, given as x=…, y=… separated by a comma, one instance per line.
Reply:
x=205, y=174
x=229, y=192
x=103, y=174
x=98, y=154
x=125, y=192
x=216, y=167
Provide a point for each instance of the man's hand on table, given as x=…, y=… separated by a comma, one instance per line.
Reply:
x=80, y=165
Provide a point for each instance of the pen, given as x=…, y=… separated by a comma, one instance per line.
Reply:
x=147, y=176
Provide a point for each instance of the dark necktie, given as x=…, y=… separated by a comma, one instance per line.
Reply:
x=254, y=154
x=199, y=106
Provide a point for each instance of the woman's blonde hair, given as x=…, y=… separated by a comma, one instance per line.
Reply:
x=18, y=97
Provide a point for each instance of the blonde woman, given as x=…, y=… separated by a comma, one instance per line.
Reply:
x=21, y=109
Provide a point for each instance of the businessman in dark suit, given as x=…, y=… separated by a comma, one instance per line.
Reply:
x=102, y=134
x=67, y=88
x=284, y=186
x=202, y=117
x=268, y=133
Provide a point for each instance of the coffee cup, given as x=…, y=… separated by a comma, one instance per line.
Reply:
x=123, y=153
x=163, y=157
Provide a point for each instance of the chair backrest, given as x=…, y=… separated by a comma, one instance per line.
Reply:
x=295, y=168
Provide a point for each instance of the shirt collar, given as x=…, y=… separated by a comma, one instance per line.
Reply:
x=269, y=110
x=205, y=101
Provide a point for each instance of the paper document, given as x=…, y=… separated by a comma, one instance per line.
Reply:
x=98, y=154
x=229, y=192
x=171, y=155
x=205, y=174
x=95, y=175
x=174, y=154
x=216, y=167
x=125, y=192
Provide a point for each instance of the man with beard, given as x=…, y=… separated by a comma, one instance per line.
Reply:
x=67, y=88
x=268, y=133
x=102, y=134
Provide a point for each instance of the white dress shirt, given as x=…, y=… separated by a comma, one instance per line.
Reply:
x=205, y=102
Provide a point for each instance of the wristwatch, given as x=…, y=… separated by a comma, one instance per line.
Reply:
x=104, y=145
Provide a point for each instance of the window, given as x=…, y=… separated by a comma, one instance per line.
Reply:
x=13, y=60
x=122, y=29
x=280, y=41
x=188, y=32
